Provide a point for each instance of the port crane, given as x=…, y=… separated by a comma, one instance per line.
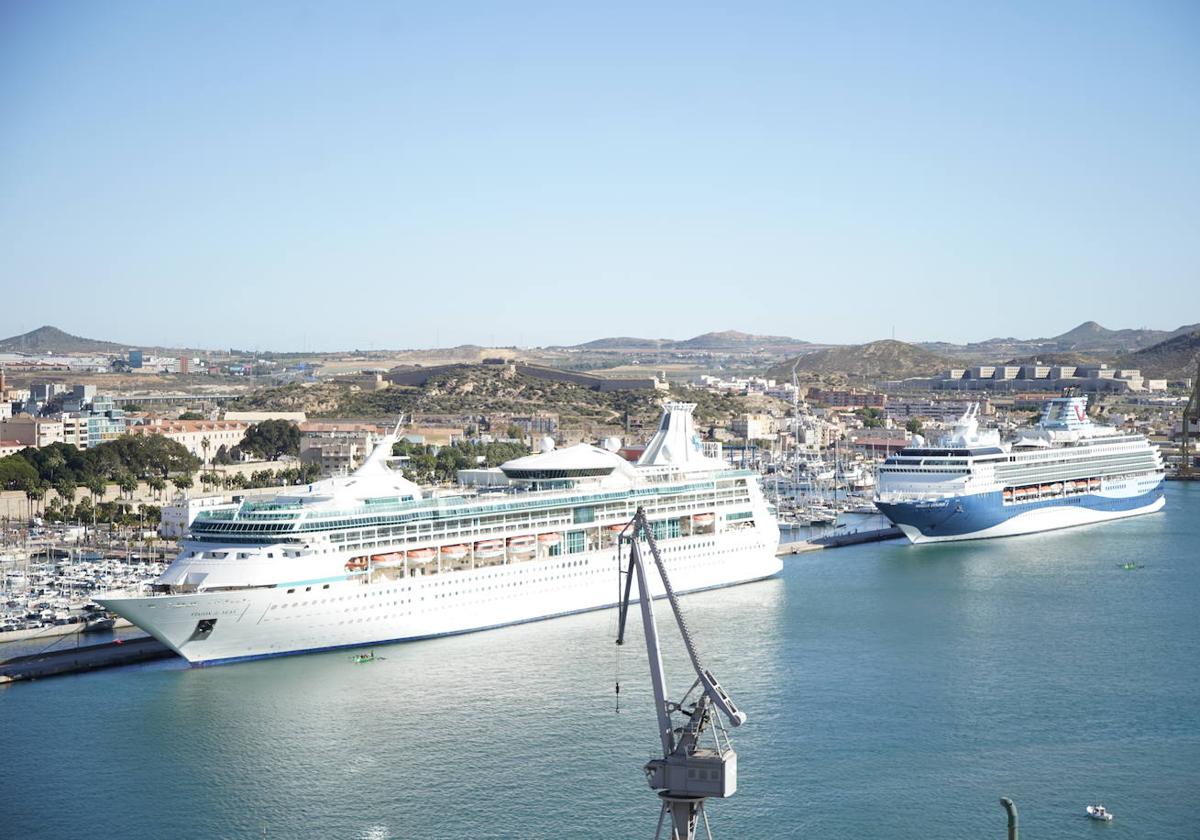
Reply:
x=689, y=771
x=1190, y=412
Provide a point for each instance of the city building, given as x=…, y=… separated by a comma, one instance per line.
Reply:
x=941, y=410
x=1036, y=377
x=10, y=447
x=840, y=398
x=533, y=425
x=193, y=434
x=32, y=431
x=252, y=417
x=753, y=426
x=338, y=448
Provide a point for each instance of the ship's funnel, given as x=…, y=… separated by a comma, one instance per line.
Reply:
x=676, y=442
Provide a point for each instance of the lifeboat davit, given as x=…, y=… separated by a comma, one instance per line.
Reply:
x=454, y=552
x=421, y=555
x=489, y=548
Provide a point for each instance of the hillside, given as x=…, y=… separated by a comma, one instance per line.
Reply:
x=730, y=341
x=1175, y=358
x=734, y=340
x=1067, y=358
x=622, y=343
x=480, y=390
x=886, y=359
x=53, y=340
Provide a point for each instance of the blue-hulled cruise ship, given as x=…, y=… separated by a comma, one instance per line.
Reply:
x=1064, y=471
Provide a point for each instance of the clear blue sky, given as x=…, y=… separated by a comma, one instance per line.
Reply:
x=331, y=175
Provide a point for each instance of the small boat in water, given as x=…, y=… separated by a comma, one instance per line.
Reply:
x=360, y=658
x=1098, y=812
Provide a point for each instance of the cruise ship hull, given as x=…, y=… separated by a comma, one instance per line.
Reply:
x=985, y=515
x=282, y=620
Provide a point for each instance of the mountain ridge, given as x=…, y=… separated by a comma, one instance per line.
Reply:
x=49, y=339
x=885, y=359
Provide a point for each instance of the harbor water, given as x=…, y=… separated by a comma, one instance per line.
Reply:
x=893, y=691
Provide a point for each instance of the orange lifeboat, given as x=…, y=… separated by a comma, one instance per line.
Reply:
x=550, y=538
x=454, y=552
x=616, y=529
x=489, y=548
x=521, y=544
x=356, y=564
x=703, y=518
x=421, y=555
x=388, y=561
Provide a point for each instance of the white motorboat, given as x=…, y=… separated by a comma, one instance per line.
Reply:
x=1098, y=812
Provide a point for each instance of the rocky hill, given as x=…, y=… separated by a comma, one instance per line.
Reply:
x=886, y=359
x=623, y=343
x=486, y=389
x=1175, y=358
x=53, y=340
x=1090, y=336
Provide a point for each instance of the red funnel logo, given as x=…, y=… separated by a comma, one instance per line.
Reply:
x=1079, y=412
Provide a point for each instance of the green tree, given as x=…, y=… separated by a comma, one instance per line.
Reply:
x=65, y=488
x=914, y=426
x=85, y=510
x=128, y=484
x=16, y=472
x=182, y=481
x=97, y=486
x=157, y=484
x=271, y=439
x=35, y=491
x=191, y=415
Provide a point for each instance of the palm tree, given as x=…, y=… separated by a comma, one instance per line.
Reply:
x=204, y=444
x=127, y=483
x=157, y=484
x=35, y=491
x=182, y=481
x=97, y=487
x=65, y=488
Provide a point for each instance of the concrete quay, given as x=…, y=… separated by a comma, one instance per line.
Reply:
x=89, y=658
x=838, y=540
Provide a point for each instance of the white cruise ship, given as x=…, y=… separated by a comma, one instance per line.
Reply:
x=371, y=558
x=1064, y=471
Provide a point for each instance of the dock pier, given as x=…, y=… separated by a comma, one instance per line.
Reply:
x=88, y=658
